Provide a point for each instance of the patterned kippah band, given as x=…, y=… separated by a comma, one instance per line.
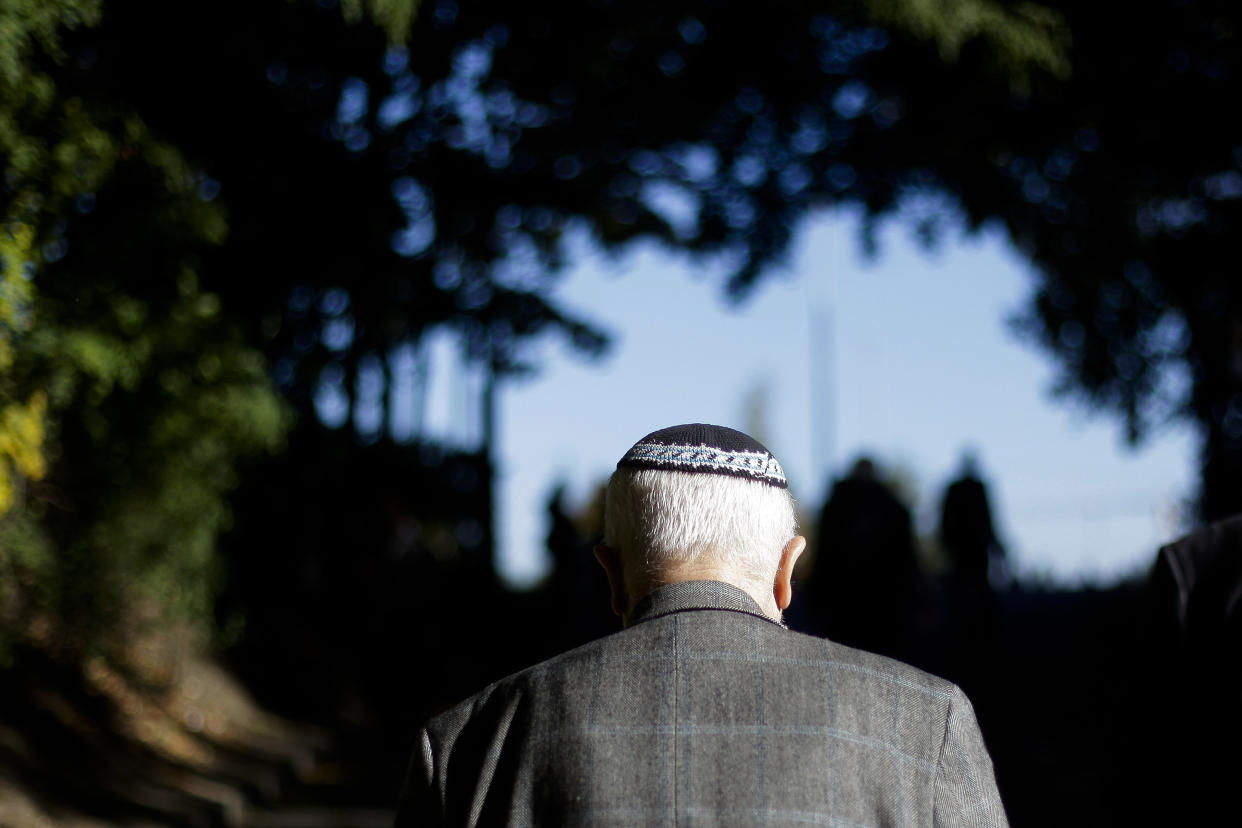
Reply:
x=706, y=449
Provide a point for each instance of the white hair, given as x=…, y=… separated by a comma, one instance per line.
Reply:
x=664, y=520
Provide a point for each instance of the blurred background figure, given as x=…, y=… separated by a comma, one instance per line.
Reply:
x=966, y=531
x=573, y=600
x=862, y=588
x=1196, y=589
x=968, y=541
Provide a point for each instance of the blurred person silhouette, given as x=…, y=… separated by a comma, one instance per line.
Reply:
x=967, y=534
x=576, y=584
x=1196, y=585
x=704, y=707
x=968, y=538
x=863, y=582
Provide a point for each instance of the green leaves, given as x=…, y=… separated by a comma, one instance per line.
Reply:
x=1023, y=36
x=127, y=397
x=394, y=16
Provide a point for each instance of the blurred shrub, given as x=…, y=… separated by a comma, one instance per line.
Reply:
x=127, y=399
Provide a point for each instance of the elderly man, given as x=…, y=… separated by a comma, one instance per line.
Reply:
x=705, y=709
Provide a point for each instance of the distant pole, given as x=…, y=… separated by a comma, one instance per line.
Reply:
x=823, y=390
x=420, y=384
x=489, y=460
x=489, y=411
x=821, y=309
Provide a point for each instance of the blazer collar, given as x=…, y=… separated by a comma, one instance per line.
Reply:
x=686, y=596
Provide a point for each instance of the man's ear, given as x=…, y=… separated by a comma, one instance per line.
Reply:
x=782, y=589
x=610, y=560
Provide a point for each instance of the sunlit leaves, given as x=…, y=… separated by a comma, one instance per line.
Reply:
x=1027, y=36
x=21, y=446
x=126, y=397
x=394, y=16
x=16, y=291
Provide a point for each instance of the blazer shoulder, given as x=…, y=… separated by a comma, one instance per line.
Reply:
x=507, y=688
x=867, y=667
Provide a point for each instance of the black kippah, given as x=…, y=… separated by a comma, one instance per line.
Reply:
x=705, y=449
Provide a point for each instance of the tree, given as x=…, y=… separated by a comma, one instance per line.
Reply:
x=229, y=210
x=451, y=165
x=288, y=179
x=127, y=398
x=336, y=189
x=1113, y=168
x=1129, y=200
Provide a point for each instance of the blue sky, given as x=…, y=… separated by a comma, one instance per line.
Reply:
x=922, y=366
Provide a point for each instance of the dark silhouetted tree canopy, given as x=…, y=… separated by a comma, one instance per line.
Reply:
x=1128, y=205
x=433, y=180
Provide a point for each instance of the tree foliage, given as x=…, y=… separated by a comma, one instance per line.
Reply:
x=1129, y=197
x=213, y=211
x=376, y=190
x=126, y=398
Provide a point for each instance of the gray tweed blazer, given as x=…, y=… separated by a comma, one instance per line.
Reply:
x=705, y=712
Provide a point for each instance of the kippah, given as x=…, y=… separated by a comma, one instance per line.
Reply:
x=705, y=449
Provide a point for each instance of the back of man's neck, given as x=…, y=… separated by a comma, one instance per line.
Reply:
x=763, y=598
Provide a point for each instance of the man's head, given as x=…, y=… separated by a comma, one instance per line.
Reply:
x=699, y=502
